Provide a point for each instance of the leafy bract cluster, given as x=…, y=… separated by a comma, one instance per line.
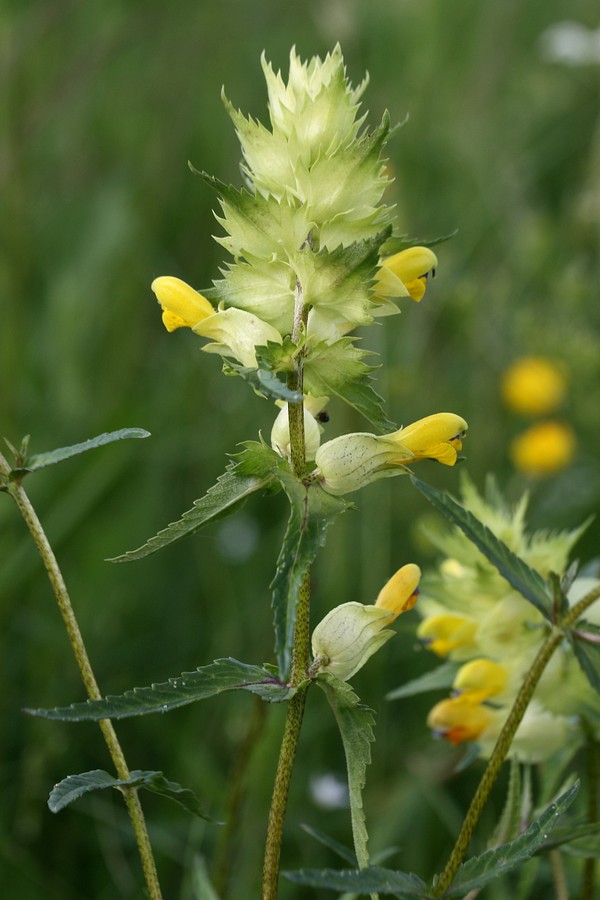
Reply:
x=472, y=616
x=306, y=236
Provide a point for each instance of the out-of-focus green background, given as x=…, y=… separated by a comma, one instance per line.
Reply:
x=102, y=106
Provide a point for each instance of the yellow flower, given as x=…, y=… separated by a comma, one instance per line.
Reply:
x=351, y=633
x=399, y=594
x=543, y=449
x=351, y=461
x=480, y=679
x=405, y=274
x=446, y=632
x=458, y=719
x=436, y=437
x=533, y=386
x=236, y=332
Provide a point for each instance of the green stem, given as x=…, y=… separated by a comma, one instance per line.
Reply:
x=588, y=885
x=505, y=739
x=301, y=647
x=68, y=616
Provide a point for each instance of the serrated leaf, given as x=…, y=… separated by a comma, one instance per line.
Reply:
x=41, y=460
x=312, y=511
x=587, y=652
x=440, y=677
x=221, y=675
x=340, y=280
x=366, y=881
x=252, y=471
x=355, y=722
x=265, y=382
x=479, y=870
x=75, y=786
x=579, y=839
x=338, y=370
x=519, y=575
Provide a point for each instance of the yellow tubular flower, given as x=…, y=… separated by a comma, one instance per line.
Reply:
x=446, y=632
x=400, y=593
x=182, y=306
x=533, y=386
x=543, y=449
x=405, y=274
x=436, y=437
x=235, y=332
x=479, y=679
x=459, y=719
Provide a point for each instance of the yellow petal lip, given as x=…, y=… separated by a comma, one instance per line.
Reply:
x=413, y=266
x=183, y=307
x=400, y=593
x=436, y=437
x=480, y=679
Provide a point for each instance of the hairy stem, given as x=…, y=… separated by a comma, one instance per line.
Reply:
x=588, y=885
x=505, y=739
x=68, y=616
x=301, y=648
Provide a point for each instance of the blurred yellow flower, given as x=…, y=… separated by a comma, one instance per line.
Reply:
x=533, y=386
x=543, y=449
x=459, y=719
x=444, y=632
x=405, y=274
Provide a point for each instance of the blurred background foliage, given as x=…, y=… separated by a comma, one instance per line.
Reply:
x=102, y=105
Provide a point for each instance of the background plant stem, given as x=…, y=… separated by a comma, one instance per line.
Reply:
x=505, y=739
x=91, y=686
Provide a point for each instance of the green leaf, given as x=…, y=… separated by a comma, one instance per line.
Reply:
x=338, y=370
x=252, y=471
x=312, y=511
x=340, y=850
x=264, y=381
x=366, y=881
x=221, y=675
x=74, y=786
x=396, y=243
x=479, y=870
x=438, y=678
x=577, y=839
x=519, y=575
x=41, y=460
x=585, y=641
x=355, y=722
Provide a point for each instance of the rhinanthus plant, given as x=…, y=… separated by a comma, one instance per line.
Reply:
x=311, y=256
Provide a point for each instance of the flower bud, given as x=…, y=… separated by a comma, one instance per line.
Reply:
x=280, y=433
